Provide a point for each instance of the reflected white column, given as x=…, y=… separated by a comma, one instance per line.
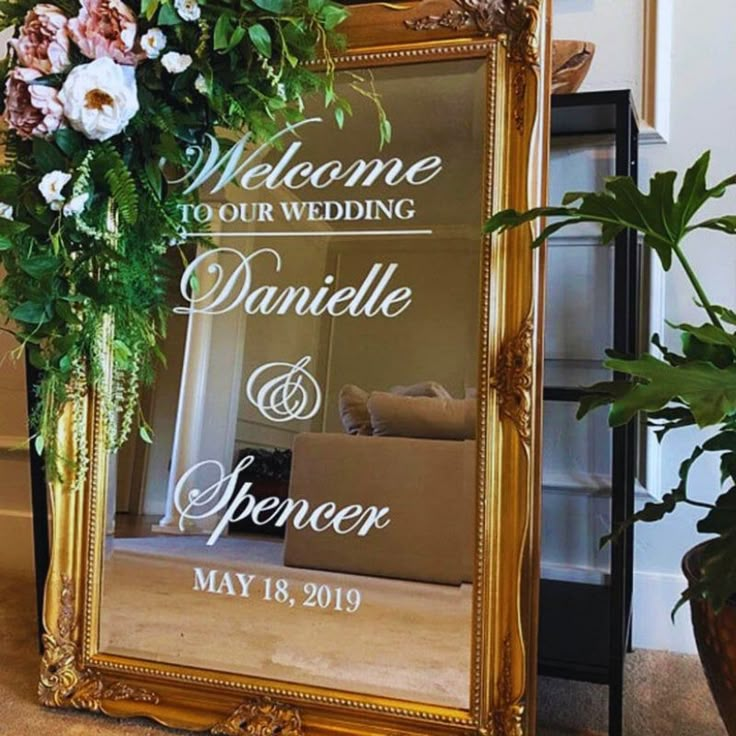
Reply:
x=112, y=492
x=190, y=418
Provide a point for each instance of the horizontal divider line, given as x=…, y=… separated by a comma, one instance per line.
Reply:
x=309, y=233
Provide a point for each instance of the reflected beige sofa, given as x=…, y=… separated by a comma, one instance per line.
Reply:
x=429, y=486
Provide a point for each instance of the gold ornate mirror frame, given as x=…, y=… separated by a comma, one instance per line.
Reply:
x=512, y=37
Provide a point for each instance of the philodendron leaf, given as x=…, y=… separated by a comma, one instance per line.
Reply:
x=657, y=511
x=708, y=343
x=601, y=394
x=722, y=441
x=725, y=224
x=726, y=315
x=509, y=219
x=708, y=333
x=662, y=219
x=709, y=392
x=725, y=443
x=669, y=418
x=667, y=354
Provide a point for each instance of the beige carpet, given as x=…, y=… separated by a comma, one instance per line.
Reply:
x=667, y=693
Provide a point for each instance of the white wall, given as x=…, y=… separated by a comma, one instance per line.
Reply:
x=616, y=27
x=703, y=116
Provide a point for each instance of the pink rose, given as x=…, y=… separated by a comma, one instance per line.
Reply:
x=31, y=109
x=43, y=43
x=106, y=28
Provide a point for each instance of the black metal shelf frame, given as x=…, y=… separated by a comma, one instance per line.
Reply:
x=585, y=630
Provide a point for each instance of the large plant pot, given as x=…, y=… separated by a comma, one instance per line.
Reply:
x=716, y=639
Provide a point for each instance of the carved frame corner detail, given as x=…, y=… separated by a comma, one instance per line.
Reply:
x=261, y=717
x=508, y=719
x=513, y=378
x=515, y=21
x=63, y=682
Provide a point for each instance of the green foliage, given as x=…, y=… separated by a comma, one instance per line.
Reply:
x=69, y=274
x=694, y=388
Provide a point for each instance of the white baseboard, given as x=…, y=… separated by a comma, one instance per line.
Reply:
x=16, y=531
x=573, y=573
x=655, y=595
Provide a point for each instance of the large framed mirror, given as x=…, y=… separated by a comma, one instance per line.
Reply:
x=334, y=529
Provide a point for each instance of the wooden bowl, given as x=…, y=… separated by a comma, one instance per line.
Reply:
x=571, y=62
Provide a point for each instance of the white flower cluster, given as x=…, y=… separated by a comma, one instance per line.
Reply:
x=51, y=186
x=176, y=63
x=188, y=9
x=153, y=42
x=100, y=98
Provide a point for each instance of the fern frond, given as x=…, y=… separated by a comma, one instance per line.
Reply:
x=163, y=117
x=124, y=193
x=120, y=181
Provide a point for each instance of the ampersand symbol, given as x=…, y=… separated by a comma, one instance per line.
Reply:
x=293, y=394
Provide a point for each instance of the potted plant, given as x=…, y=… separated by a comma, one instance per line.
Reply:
x=692, y=386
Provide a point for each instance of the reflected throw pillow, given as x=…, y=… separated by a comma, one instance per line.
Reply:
x=353, y=403
x=422, y=416
x=425, y=388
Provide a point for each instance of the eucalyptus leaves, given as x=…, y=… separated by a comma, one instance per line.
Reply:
x=100, y=97
x=673, y=390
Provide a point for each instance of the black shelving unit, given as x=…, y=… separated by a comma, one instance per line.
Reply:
x=585, y=630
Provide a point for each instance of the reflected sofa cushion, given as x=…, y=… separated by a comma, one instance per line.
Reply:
x=428, y=485
x=423, y=417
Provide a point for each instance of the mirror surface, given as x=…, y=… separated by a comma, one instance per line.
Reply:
x=306, y=510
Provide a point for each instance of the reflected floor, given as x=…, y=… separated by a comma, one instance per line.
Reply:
x=407, y=640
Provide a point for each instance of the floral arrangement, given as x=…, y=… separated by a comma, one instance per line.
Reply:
x=100, y=99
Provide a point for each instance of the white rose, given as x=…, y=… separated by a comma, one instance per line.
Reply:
x=188, y=9
x=75, y=205
x=51, y=185
x=6, y=211
x=153, y=42
x=175, y=63
x=100, y=98
x=200, y=84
